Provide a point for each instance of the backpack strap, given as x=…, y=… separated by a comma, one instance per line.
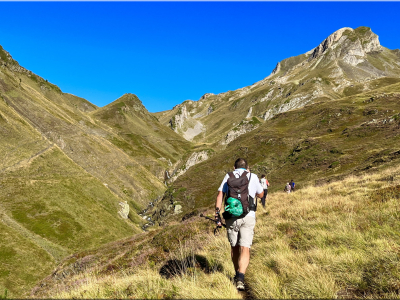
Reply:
x=226, y=195
x=248, y=196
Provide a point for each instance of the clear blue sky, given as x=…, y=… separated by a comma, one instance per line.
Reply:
x=168, y=52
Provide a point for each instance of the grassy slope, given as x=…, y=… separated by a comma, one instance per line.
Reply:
x=83, y=139
x=22, y=262
x=334, y=241
x=141, y=135
x=321, y=142
x=49, y=205
x=55, y=163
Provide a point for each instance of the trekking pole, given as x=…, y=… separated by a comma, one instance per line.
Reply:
x=216, y=230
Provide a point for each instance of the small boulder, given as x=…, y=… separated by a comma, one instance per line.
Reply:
x=124, y=210
x=178, y=209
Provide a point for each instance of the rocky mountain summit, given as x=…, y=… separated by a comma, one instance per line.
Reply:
x=347, y=62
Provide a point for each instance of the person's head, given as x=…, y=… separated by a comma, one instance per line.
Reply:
x=287, y=183
x=262, y=176
x=292, y=180
x=241, y=163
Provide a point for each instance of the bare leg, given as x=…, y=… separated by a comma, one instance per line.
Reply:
x=235, y=254
x=244, y=259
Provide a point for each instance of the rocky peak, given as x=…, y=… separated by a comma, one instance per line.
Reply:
x=359, y=42
x=5, y=57
x=277, y=69
x=129, y=102
x=368, y=39
x=328, y=42
x=6, y=60
x=205, y=96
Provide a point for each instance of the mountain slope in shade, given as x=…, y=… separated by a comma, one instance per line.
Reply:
x=346, y=63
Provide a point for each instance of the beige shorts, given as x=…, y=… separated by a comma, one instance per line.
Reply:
x=241, y=231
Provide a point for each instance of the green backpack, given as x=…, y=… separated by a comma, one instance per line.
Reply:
x=234, y=207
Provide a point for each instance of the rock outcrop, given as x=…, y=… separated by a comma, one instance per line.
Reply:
x=124, y=209
x=328, y=43
x=244, y=127
x=178, y=120
x=195, y=158
x=352, y=45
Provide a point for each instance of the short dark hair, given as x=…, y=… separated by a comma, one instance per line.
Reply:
x=262, y=176
x=241, y=163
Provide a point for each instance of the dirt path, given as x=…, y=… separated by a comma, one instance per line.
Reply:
x=55, y=251
x=25, y=162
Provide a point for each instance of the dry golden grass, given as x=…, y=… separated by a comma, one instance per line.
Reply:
x=209, y=280
x=340, y=240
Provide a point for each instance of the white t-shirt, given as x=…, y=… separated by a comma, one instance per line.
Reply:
x=263, y=182
x=254, y=185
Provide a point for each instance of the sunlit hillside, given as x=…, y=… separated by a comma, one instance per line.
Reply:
x=337, y=240
x=72, y=175
x=105, y=202
x=319, y=143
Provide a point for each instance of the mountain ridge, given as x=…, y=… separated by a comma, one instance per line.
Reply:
x=346, y=58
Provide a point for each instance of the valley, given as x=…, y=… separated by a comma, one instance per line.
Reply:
x=104, y=202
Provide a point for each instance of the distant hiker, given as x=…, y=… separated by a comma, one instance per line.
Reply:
x=265, y=184
x=238, y=190
x=292, y=185
x=287, y=188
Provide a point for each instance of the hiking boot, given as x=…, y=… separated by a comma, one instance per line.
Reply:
x=240, y=285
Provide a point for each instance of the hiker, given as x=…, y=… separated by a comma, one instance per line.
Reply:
x=292, y=185
x=265, y=184
x=238, y=190
x=287, y=188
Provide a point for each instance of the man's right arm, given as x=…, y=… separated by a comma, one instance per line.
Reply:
x=218, y=203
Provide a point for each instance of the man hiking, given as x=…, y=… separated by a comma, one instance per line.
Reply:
x=292, y=185
x=265, y=184
x=287, y=188
x=238, y=190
